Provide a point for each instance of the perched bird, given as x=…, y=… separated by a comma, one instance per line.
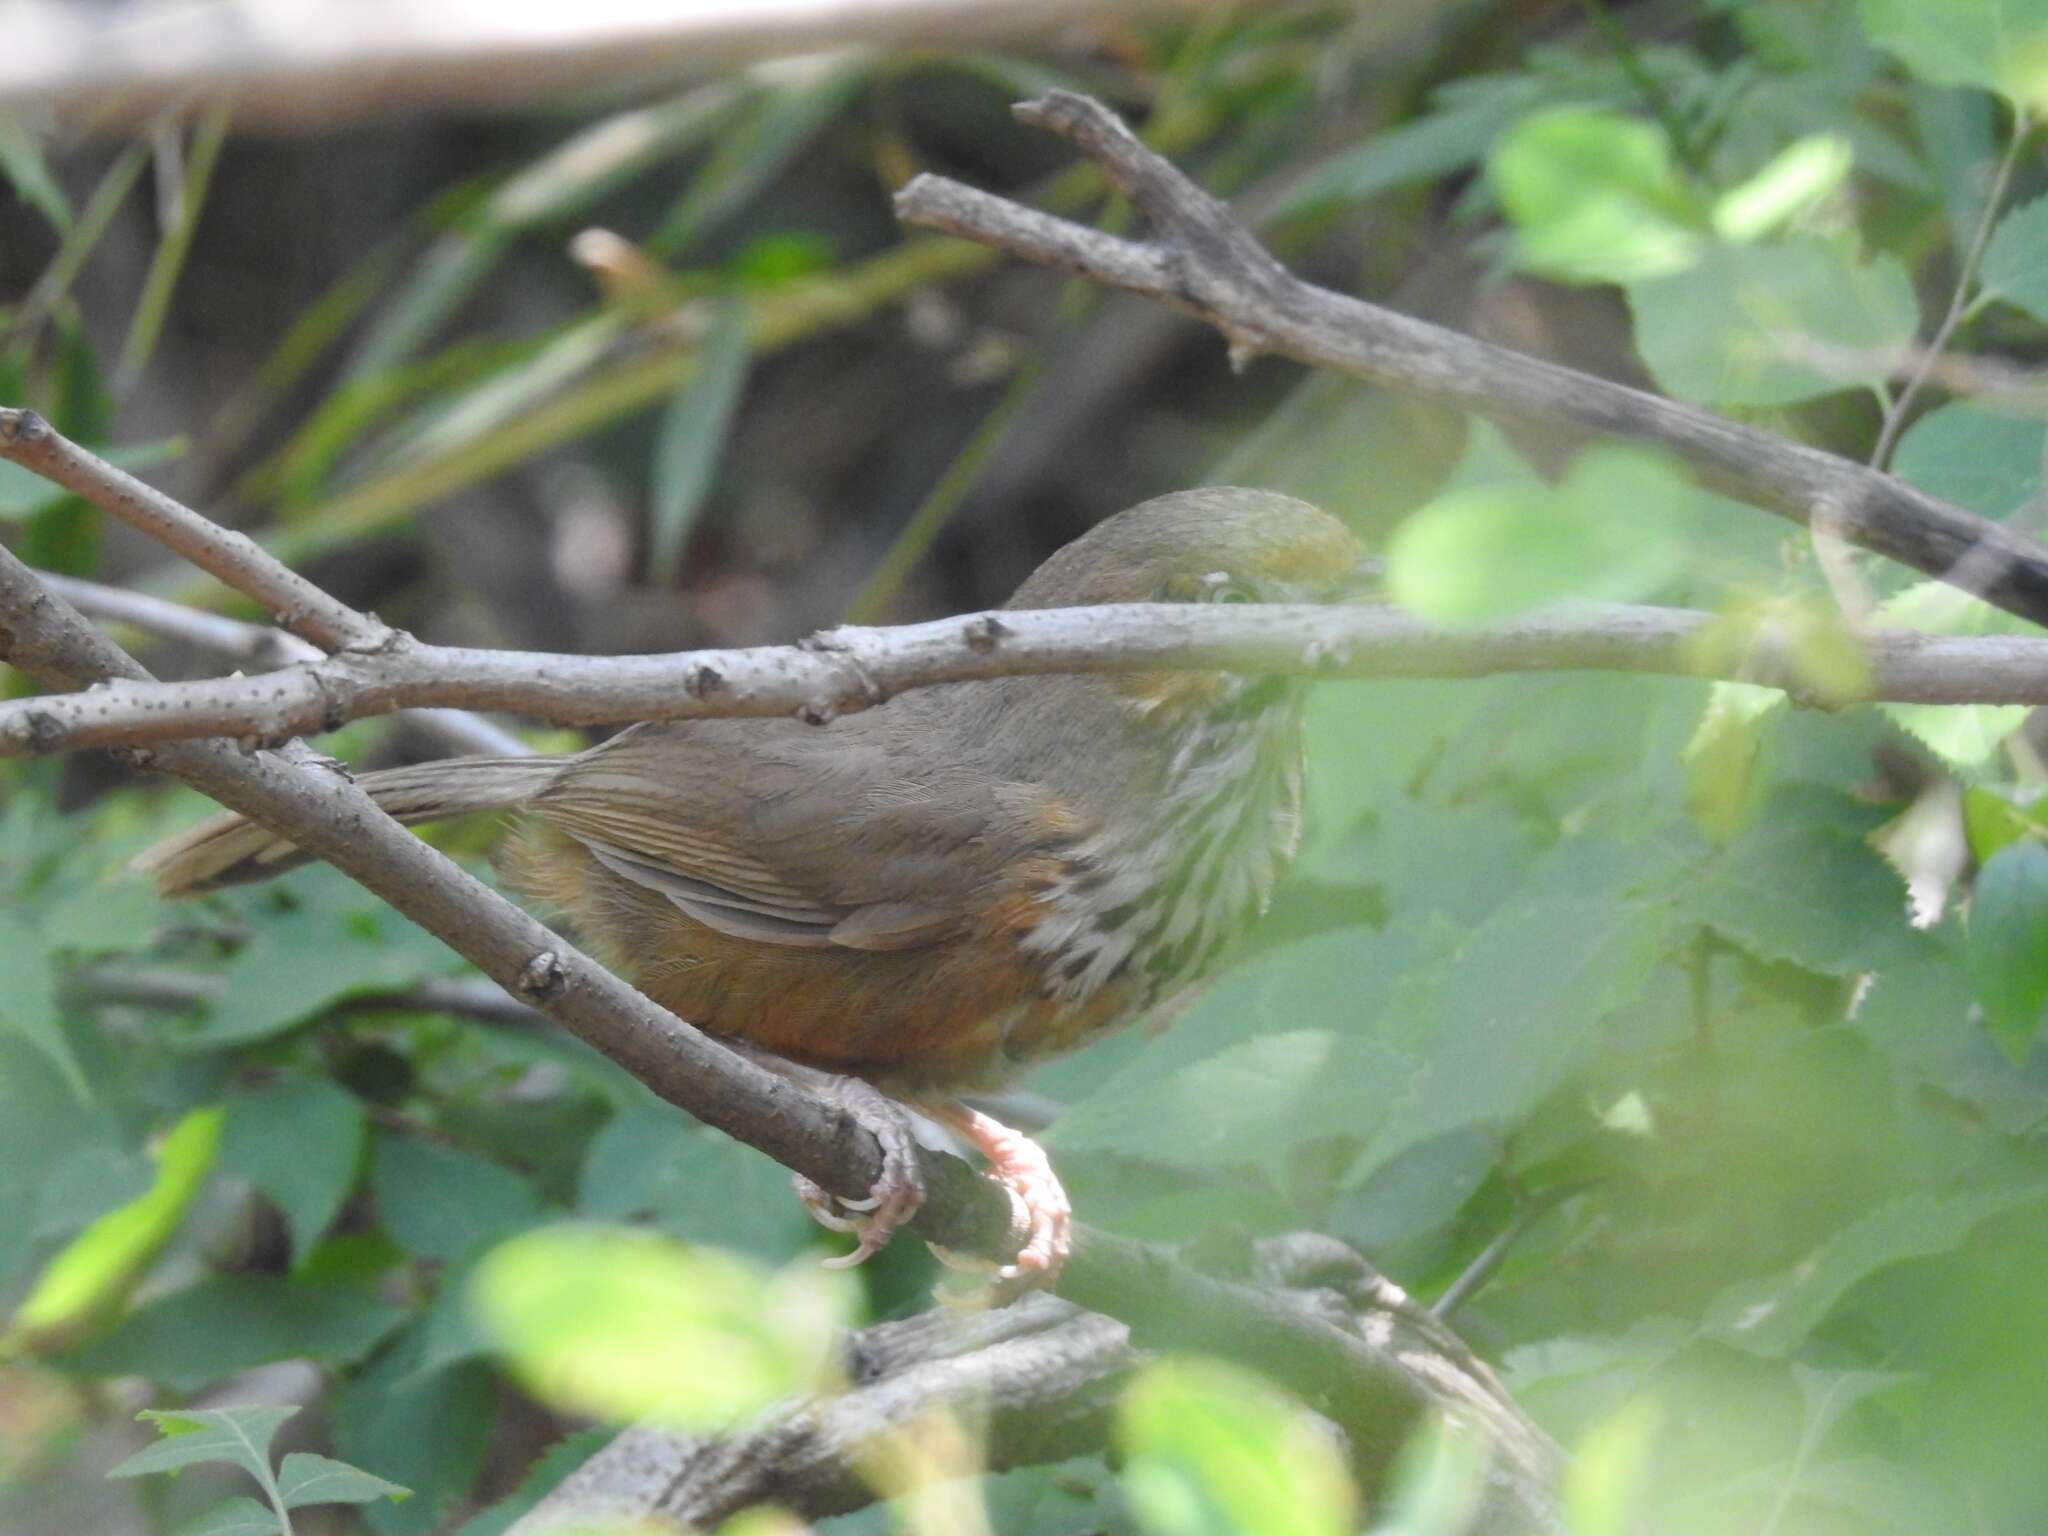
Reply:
x=930, y=895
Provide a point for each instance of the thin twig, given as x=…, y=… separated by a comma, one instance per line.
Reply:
x=260, y=645
x=1202, y=260
x=1959, y=302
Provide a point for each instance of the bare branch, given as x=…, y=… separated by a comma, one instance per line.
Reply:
x=1351, y=1374
x=846, y=670
x=261, y=646
x=1204, y=261
x=300, y=606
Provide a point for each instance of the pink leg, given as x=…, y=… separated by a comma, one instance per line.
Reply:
x=1020, y=1165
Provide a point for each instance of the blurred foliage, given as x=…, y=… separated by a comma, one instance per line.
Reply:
x=1623, y=968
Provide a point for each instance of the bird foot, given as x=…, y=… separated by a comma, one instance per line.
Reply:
x=1019, y=1165
x=896, y=1195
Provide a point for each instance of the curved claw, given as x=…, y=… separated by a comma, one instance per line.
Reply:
x=1020, y=1166
x=896, y=1194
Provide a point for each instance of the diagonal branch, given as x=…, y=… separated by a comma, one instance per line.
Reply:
x=1201, y=259
x=1376, y=1393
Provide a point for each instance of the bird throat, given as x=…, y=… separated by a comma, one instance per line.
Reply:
x=1151, y=903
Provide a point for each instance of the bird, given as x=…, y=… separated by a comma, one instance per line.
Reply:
x=921, y=900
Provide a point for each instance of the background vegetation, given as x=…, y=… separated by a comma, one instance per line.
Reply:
x=1599, y=998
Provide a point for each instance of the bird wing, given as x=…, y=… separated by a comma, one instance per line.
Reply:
x=781, y=833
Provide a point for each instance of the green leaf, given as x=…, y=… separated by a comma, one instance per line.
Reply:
x=229, y=1323
x=1996, y=44
x=445, y=1204
x=1721, y=777
x=1734, y=330
x=1991, y=820
x=1595, y=198
x=2015, y=266
x=1609, y=1476
x=98, y=1265
x=693, y=433
x=1617, y=529
x=28, y=1001
x=429, y=1432
x=2007, y=955
x=239, y=1437
x=1965, y=735
x=1974, y=456
x=300, y=1141
x=1800, y=884
x=1801, y=175
x=652, y=1162
x=1773, y=1316
x=22, y=163
x=334, y=942
x=234, y=1517
x=1404, y=154
x=537, y=1482
x=1211, y=1448
x=304, y=1478
x=627, y=1326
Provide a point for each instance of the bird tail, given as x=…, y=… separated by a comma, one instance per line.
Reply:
x=230, y=850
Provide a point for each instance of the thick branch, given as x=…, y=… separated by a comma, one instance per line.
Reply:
x=845, y=670
x=1202, y=260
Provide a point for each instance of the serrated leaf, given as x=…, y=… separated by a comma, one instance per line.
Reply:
x=1799, y=885
x=1963, y=734
x=1991, y=820
x=1974, y=456
x=1595, y=197
x=300, y=1141
x=692, y=437
x=2007, y=955
x=241, y=1516
x=304, y=1478
x=238, y=1436
x=1738, y=327
x=1721, y=780
x=1773, y=1316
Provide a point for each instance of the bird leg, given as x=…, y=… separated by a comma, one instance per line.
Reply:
x=1020, y=1166
x=896, y=1194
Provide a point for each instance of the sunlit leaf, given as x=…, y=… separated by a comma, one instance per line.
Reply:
x=1992, y=819
x=1212, y=1450
x=1801, y=175
x=1609, y=1475
x=1721, y=778
x=1617, y=529
x=1595, y=197
x=1965, y=735
x=98, y=1265
x=1996, y=44
x=628, y=1326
